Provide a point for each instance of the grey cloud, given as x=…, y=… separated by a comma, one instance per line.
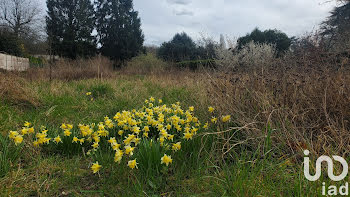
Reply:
x=161, y=19
x=184, y=12
x=179, y=2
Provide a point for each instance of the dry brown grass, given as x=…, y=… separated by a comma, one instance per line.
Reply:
x=73, y=69
x=305, y=102
x=302, y=100
x=13, y=90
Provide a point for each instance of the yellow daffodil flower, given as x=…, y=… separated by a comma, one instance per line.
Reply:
x=166, y=160
x=96, y=167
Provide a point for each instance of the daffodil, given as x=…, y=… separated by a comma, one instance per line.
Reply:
x=166, y=160
x=31, y=130
x=13, y=134
x=146, y=129
x=129, y=150
x=70, y=126
x=67, y=132
x=176, y=146
x=88, y=93
x=226, y=118
x=211, y=109
x=118, y=156
x=95, y=145
x=63, y=126
x=27, y=124
x=214, y=120
x=35, y=143
x=95, y=167
x=171, y=137
x=75, y=139
x=205, y=126
x=116, y=146
x=188, y=136
x=24, y=131
x=57, y=139
x=18, y=139
x=132, y=164
x=112, y=140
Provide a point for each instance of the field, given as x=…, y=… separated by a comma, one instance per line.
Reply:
x=276, y=113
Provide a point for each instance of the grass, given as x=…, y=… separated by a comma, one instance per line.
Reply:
x=197, y=171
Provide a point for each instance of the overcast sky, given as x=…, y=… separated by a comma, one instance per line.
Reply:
x=161, y=19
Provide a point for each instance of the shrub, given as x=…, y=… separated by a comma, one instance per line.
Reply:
x=146, y=63
x=36, y=62
x=270, y=37
x=252, y=55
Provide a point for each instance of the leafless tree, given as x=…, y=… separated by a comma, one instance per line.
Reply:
x=19, y=15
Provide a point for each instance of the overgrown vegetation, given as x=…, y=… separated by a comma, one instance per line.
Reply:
x=278, y=106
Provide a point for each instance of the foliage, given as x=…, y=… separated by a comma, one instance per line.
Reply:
x=145, y=63
x=157, y=130
x=252, y=55
x=8, y=155
x=273, y=37
x=180, y=48
x=36, y=61
x=194, y=64
x=10, y=44
x=119, y=29
x=183, y=49
x=336, y=28
x=69, y=28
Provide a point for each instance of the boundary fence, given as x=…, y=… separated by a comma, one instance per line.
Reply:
x=13, y=63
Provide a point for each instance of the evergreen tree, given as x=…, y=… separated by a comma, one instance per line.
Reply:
x=10, y=43
x=281, y=41
x=336, y=28
x=119, y=29
x=70, y=24
x=180, y=48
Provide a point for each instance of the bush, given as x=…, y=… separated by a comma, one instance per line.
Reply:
x=270, y=37
x=251, y=55
x=146, y=63
x=195, y=64
x=36, y=62
x=10, y=44
x=182, y=48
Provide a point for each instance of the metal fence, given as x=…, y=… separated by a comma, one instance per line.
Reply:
x=13, y=63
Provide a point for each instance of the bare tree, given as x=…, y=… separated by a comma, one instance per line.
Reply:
x=19, y=15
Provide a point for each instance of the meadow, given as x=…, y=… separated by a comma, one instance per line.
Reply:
x=276, y=110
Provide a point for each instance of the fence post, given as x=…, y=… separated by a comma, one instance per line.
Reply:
x=98, y=70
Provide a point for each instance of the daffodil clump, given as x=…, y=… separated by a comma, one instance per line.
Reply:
x=170, y=126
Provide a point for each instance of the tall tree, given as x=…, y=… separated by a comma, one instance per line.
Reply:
x=19, y=15
x=119, y=29
x=336, y=28
x=70, y=24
